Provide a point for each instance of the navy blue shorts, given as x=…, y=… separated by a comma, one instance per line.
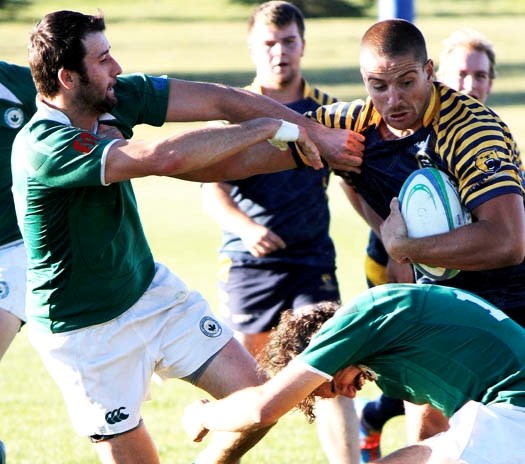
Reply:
x=253, y=297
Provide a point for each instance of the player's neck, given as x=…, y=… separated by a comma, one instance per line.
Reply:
x=79, y=117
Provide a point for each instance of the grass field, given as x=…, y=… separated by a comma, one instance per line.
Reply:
x=205, y=40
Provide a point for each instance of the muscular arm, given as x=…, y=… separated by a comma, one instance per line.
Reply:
x=258, y=239
x=199, y=101
x=203, y=154
x=496, y=239
x=255, y=407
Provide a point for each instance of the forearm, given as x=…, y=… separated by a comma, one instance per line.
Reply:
x=469, y=248
x=237, y=412
x=185, y=152
x=198, y=101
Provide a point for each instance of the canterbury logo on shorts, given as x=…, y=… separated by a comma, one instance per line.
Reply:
x=117, y=415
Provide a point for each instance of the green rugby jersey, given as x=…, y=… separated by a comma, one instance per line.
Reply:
x=88, y=258
x=427, y=344
x=17, y=106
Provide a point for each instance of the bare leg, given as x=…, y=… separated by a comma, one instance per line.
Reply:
x=423, y=421
x=9, y=327
x=417, y=454
x=133, y=447
x=338, y=430
x=232, y=369
x=254, y=343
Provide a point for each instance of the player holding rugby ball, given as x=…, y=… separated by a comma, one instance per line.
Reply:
x=410, y=122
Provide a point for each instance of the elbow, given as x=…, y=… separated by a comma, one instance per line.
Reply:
x=511, y=253
x=516, y=253
x=266, y=417
x=167, y=163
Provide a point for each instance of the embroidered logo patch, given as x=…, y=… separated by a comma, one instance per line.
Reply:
x=14, y=118
x=85, y=142
x=210, y=327
x=488, y=161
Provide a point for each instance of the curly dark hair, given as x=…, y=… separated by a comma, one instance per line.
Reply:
x=290, y=337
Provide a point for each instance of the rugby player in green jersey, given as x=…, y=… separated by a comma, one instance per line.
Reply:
x=420, y=343
x=101, y=312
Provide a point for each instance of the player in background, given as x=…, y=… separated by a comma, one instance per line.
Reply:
x=468, y=64
x=17, y=105
x=72, y=188
x=276, y=250
x=468, y=361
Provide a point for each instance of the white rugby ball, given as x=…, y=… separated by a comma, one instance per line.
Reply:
x=430, y=205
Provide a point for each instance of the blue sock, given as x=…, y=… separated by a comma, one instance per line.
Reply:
x=377, y=412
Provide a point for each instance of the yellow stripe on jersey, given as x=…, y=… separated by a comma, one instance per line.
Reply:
x=471, y=142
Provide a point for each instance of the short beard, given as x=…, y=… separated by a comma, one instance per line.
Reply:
x=99, y=106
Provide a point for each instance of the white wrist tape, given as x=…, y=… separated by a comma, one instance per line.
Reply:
x=288, y=132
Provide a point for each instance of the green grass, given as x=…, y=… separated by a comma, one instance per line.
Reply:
x=205, y=40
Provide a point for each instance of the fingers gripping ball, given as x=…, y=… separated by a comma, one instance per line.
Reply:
x=430, y=205
x=287, y=132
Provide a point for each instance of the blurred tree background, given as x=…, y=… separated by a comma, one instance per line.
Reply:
x=326, y=8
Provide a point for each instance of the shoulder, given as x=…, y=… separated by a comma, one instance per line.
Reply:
x=318, y=96
x=139, y=82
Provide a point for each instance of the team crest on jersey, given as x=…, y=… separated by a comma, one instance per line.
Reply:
x=14, y=117
x=4, y=289
x=84, y=142
x=210, y=327
x=488, y=161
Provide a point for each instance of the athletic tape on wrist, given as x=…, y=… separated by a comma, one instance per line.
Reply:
x=287, y=132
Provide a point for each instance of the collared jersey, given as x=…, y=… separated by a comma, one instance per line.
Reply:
x=291, y=203
x=459, y=136
x=17, y=105
x=88, y=258
x=426, y=344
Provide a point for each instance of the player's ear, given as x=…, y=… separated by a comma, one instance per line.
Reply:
x=66, y=78
x=428, y=68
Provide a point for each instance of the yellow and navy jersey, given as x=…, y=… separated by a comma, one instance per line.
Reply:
x=292, y=203
x=459, y=136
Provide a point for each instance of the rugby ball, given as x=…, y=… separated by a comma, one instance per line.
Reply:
x=430, y=205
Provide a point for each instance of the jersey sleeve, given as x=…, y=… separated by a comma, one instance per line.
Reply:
x=66, y=157
x=142, y=99
x=481, y=152
x=341, y=341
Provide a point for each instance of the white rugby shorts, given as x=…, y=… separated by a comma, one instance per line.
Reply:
x=13, y=266
x=104, y=371
x=481, y=434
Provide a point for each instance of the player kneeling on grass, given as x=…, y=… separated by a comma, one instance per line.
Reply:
x=420, y=343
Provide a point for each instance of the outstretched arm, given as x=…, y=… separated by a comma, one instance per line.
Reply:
x=255, y=407
x=201, y=101
x=198, y=154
